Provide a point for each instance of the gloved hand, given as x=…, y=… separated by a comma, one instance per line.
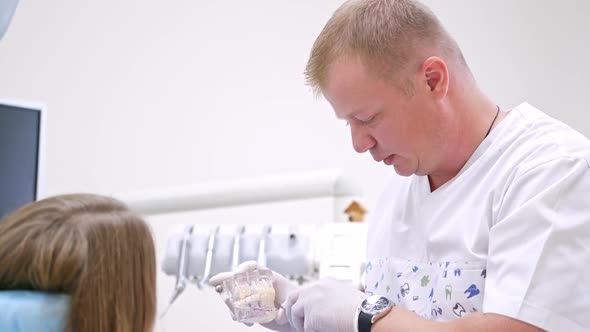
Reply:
x=282, y=288
x=326, y=305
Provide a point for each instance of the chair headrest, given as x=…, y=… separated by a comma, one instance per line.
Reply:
x=29, y=311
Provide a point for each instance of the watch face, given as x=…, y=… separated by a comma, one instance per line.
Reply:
x=375, y=304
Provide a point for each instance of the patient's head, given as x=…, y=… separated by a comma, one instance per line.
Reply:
x=91, y=247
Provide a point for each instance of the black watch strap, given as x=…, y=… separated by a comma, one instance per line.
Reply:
x=364, y=323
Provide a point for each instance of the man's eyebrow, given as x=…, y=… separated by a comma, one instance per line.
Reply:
x=352, y=114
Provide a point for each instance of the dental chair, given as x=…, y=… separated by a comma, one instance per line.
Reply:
x=32, y=311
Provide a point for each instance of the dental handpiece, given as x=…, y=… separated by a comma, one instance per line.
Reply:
x=235, y=258
x=209, y=258
x=182, y=268
x=262, y=246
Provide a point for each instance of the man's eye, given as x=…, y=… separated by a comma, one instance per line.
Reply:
x=368, y=120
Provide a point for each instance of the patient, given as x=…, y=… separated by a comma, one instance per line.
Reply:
x=90, y=247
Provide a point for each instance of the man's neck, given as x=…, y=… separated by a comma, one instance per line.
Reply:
x=472, y=119
x=438, y=181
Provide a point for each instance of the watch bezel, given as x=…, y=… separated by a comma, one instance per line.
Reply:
x=375, y=304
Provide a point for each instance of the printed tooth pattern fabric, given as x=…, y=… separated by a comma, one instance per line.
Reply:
x=436, y=291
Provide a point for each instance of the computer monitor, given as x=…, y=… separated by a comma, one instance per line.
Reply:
x=21, y=153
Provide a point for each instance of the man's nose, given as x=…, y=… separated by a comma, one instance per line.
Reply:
x=362, y=141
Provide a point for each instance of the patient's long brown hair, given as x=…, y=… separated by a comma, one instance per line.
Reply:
x=91, y=247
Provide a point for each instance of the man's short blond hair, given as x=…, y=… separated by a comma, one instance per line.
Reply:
x=390, y=37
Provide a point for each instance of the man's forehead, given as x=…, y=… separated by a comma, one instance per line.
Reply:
x=345, y=87
x=345, y=73
x=351, y=91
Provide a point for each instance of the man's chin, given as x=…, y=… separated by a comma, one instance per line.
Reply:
x=401, y=171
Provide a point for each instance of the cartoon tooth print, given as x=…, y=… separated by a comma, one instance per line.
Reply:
x=377, y=283
x=459, y=310
x=404, y=289
x=415, y=269
x=472, y=290
x=369, y=267
x=448, y=292
x=424, y=281
x=457, y=272
x=484, y=273
x=445, y=272
x=436, y=311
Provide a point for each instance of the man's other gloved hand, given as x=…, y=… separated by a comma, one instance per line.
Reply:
x=325, y=305
x=282, y=288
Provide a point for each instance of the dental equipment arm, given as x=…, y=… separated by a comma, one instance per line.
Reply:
x=267, y=189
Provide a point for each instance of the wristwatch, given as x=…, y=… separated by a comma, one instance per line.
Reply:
x=370, y=310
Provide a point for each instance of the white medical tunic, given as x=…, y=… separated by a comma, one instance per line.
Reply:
x=510, y=234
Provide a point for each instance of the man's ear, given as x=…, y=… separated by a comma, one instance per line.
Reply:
x=436, y=76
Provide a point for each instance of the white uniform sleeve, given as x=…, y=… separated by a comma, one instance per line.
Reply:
x=539, y=248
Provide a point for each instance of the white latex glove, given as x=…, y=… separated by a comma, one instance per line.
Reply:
x=326, y=305
x=282, y=288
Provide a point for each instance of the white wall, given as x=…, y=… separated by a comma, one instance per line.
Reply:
x=148, y=94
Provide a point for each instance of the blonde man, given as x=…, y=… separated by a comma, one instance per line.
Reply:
x=488, y=230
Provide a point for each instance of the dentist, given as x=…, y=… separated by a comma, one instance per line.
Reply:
x=489, y=228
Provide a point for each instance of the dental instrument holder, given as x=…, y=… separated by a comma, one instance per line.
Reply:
x=286, y=249
x=298, y=262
